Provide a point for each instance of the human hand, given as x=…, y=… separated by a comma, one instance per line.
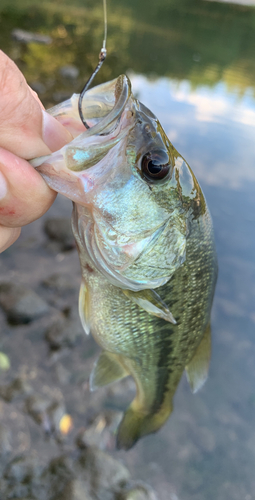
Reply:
x=26, y=131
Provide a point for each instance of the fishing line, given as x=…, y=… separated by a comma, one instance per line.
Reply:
x=102, y=57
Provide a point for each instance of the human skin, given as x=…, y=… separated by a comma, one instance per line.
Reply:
x=26, y=131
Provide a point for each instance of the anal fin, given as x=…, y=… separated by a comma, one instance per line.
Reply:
x=197, y=369
x=107, y=369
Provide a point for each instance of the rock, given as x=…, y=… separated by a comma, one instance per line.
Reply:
x=45, y=412
x=25, y=478
x=76, y=490
x=21, y=304
x=57, y=478
x=63, y=375
x=103, y=474
x=20, y=474
x=37, y=407
x=60, y=283
x=101, y=432
x=28, y=37
x=17, y=387
x=137, y=492
x=59, y=229
x=5, y=440
x=64, y=333
x=55, y=413
x=20, y=469
x=69, y=71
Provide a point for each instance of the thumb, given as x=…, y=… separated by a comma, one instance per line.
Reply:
x=25, y=128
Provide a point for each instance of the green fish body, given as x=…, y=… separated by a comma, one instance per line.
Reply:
x=145, y=240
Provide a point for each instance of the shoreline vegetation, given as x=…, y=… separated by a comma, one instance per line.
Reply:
x=203, y=42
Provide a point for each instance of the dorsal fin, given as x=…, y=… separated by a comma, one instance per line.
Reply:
x=197, y=369
x=107, y=369
x=151, y=302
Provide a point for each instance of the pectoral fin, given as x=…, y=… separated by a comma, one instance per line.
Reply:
x=84, y=307
x=151, y=302
x=107, y=369
x=197, y=369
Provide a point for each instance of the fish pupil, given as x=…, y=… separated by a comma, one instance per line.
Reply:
x=153, y=168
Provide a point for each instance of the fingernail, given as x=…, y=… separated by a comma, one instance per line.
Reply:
x=55, y=135
x=3, y=187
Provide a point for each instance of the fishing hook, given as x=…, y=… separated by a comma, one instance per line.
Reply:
x=102, y=57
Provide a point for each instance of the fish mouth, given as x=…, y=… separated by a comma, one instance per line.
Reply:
x=122, y=92
x=102, y=106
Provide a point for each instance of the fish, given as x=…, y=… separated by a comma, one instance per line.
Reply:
x=146, y=246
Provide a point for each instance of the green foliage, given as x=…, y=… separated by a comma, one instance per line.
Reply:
x=203, y=42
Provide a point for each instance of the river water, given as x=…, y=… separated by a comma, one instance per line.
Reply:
x=192, y=64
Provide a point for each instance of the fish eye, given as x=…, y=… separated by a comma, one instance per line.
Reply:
x=155, y=165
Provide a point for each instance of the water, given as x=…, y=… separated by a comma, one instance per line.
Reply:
x=192, y=64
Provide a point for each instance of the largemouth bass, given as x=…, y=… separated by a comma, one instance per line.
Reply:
x=145, y=240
